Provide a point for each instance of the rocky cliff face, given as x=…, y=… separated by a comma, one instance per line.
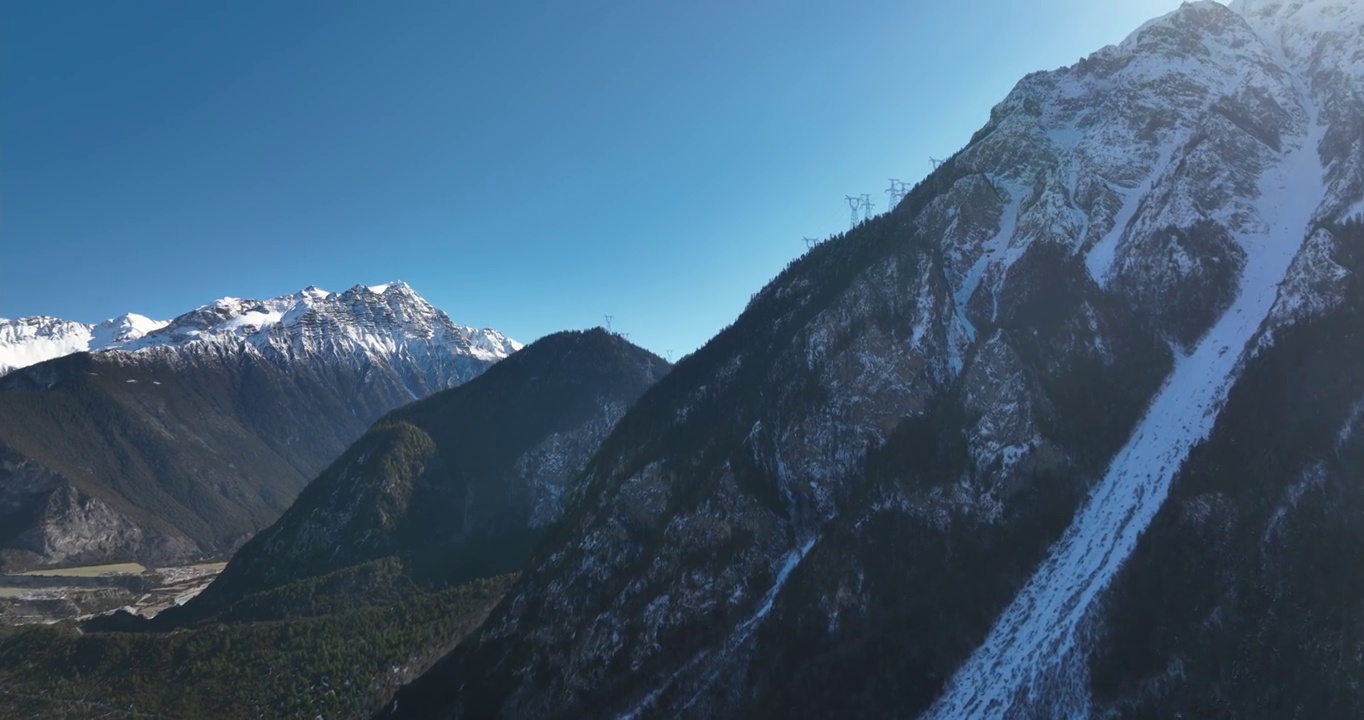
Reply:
x=186, y=439
x=50, y=517
x=904, y=482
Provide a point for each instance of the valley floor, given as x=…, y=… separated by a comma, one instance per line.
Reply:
x=78, y=593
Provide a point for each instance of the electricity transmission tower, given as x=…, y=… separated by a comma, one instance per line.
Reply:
x=897, y=192
x=936, y=162
x=855, y=204
x=810, y=243
x=608, y=321
x=867, y=206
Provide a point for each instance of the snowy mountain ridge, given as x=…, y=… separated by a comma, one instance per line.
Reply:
x=31, y=340
x=364, y=321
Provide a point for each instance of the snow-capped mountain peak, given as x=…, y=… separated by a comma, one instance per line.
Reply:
x=397, y=286
x=122, y=329
x=364, y=322
x=31, y=340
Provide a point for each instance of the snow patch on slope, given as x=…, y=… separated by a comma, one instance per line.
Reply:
x=1354, y=213
x=741, y=634
x=1100, y=258
x=996, y=250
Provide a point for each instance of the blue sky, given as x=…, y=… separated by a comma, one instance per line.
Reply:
x=528, y=166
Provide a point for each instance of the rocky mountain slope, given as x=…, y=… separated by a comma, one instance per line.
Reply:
x=458, y=485
x=925, y=473
x=1242, y=599
x=187, y=439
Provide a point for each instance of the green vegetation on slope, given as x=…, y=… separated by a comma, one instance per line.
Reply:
x=438, y=482
x=324, y=656
x=201, y=454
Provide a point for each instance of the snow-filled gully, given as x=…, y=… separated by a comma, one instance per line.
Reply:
x=742, y=632
x=1032, y=649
